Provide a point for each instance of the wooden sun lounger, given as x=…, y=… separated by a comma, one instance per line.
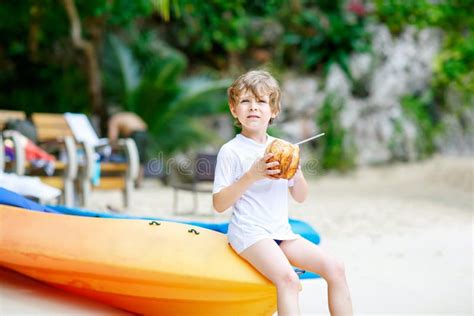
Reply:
x=114, y=176
x=65, y=173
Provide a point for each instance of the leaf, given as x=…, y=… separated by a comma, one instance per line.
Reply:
x=129, y=67
x=194, y=91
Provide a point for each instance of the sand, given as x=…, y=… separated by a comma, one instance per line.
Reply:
x=404, y=231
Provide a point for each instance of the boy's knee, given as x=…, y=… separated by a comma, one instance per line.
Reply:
x=289, y=280
x=336, y=270
x=340, y=268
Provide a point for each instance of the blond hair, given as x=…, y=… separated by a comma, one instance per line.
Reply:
x=259, y=82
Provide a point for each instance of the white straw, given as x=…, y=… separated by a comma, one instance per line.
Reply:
x=308, y=139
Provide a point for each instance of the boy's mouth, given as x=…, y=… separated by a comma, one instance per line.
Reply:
x=253, y=116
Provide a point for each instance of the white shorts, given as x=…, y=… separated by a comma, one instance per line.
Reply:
x=241, y=242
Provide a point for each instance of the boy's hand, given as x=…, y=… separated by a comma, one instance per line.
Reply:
x=261, y=168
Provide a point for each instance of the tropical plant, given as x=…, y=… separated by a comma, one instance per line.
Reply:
x=421, y=111
x=452, y=71
x=152, y=87
x=305, y=34
x=337, y=150
x=320, y=34
x=37, y=71
x=49, y=50
x=455, y=62
x=212, y=30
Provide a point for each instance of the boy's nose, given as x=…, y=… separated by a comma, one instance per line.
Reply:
x=253, y=105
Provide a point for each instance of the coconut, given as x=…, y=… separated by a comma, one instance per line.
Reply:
x=287, y=154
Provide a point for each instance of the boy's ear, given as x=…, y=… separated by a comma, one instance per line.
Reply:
x=232, y=110
x=275, y=114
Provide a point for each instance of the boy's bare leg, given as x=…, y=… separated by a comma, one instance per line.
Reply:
x=308, y=256
x=267, y=257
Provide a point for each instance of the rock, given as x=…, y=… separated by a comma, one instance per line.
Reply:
x=300, y=97
x=404, y=64
x=458, y=136
x=337, y=82
x=360, y=65
x=370, y=137
x=298, y=129
x=457, y=123
x=373, y=118
x=351, y=112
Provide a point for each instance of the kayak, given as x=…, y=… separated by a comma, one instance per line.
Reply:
x=10, y=198
x=299, y=227
x=144, y=266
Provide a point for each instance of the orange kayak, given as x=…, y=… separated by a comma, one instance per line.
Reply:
x=146, y=267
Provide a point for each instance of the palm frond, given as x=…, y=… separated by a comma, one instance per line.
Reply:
x=126, y=63
x=196, y=98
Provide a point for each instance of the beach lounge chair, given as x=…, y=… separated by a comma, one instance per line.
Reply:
x=113, y=175
x=198, y=180
x=28, y=157
x=5, y=117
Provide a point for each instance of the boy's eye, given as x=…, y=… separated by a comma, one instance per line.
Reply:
x=262, y=101
x=244, y=101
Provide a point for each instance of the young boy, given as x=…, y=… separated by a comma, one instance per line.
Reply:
x=259, y=230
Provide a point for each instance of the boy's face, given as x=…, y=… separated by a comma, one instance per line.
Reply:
x=253, y=112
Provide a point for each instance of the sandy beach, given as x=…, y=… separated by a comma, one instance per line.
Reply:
x=404, y=231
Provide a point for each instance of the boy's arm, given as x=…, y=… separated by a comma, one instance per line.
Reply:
x=299, y=191
x=226, y=197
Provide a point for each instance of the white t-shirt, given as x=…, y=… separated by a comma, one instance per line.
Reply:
x=262, y=211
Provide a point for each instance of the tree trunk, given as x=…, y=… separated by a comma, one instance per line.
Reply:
x=93, y=69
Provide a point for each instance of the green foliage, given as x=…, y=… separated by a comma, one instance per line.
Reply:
x=397, y=142
x=41, y=70
x=175, y=122
x=319, y=36
x=454, y=17
x=421, y=111
x=304, y=34
x=455, y=64
x=274, y=131
x=453, y=69
x=164, y=7
x=397, y=14
x=209, y=29
x=450, y=15
x=37, y=68
x=336, y=148
x=145, y=78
